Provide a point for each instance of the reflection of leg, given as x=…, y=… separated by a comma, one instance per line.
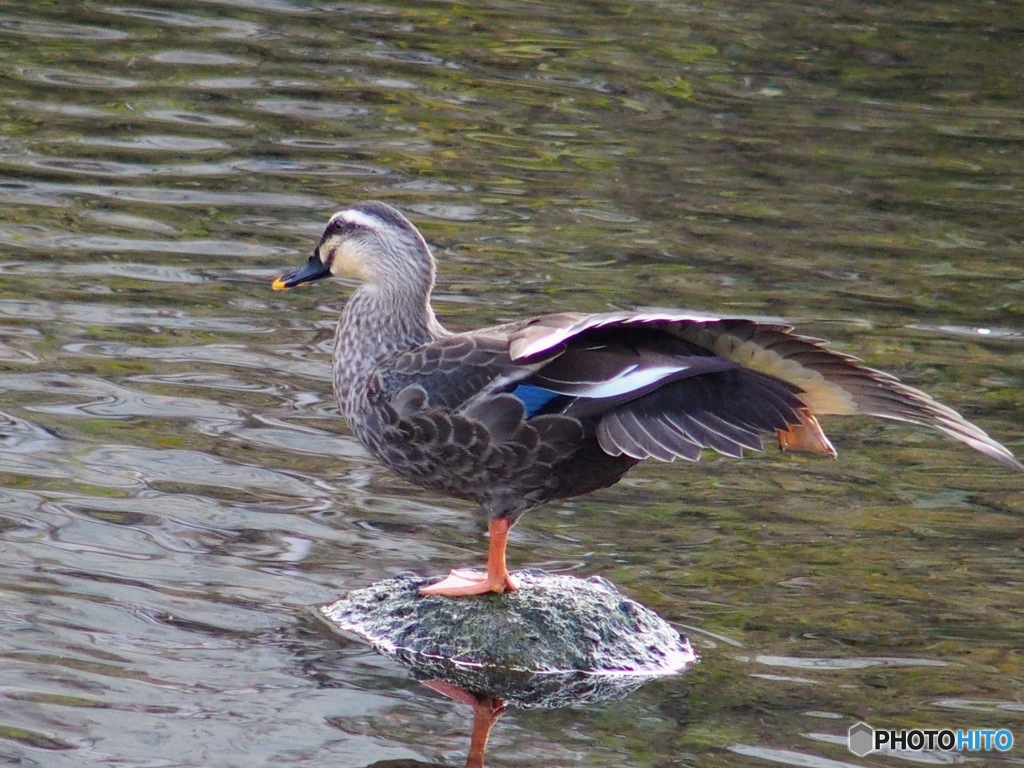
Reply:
x=497, y=579
x=486, y=712
x=485, y=715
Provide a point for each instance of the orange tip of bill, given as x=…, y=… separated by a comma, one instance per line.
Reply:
x=279, y=284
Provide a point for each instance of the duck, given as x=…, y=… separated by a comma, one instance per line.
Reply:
x=560, y=405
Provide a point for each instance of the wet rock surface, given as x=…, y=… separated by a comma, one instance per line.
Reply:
x=559, y=640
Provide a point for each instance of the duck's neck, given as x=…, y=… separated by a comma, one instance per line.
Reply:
x=377, y=324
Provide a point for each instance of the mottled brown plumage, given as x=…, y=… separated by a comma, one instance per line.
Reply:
x=560, y=405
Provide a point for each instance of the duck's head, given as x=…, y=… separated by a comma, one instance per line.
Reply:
x=371, y=242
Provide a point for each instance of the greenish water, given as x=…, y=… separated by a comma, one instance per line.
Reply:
x=178, y=490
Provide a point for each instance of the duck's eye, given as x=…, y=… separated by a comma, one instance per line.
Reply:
x=338, y=226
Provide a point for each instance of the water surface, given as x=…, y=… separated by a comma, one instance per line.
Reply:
x=178, y=490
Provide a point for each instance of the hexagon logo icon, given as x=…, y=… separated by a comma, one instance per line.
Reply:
x=862, y=739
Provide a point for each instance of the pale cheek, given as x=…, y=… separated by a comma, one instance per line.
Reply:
x=348, y=261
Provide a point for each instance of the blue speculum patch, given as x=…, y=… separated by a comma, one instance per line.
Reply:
x=534, y=397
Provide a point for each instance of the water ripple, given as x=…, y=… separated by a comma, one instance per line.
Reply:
x=109, y=400
x=196, y=58
x=159, y=143
x=989, y=706
x=303, y=440
x=789, y=757
x=411, y=57
x=980, y=333
x=156, y=273
x=571, y=80
x=116, y=169
x=221, y=354
x=12, y=354
x=137, y=467
x=32, y=237
x=196, y=118
x=238, y=83
x=22, y=436
x=33, y=107
x=449, y=211
x=116, y=220
x=863, y=662
x=316, y=109
x=109, y=315
x=77, y=80
x=298, y=168
x=35, y=28
x=85, y=167
x=280, y=6
x=57, y=194
x=203, y=380
x=189, y=21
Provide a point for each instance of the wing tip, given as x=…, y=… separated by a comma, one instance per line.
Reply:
x=996, y=451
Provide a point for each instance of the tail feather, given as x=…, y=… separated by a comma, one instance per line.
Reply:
x=836, y=383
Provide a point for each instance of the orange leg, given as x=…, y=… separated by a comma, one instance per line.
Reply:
x=806, y=437
x=497, y=579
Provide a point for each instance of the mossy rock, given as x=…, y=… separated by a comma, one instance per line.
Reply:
x=558, y=640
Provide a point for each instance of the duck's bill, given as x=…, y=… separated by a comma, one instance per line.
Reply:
x=313, y=269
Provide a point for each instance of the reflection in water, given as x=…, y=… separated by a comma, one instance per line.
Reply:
x=558, y=641
x=487, y=708
x=486, y=711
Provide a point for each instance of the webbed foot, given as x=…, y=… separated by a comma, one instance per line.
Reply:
x=463, y=581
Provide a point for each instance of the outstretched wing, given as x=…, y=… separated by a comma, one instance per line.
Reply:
x=668, y=384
